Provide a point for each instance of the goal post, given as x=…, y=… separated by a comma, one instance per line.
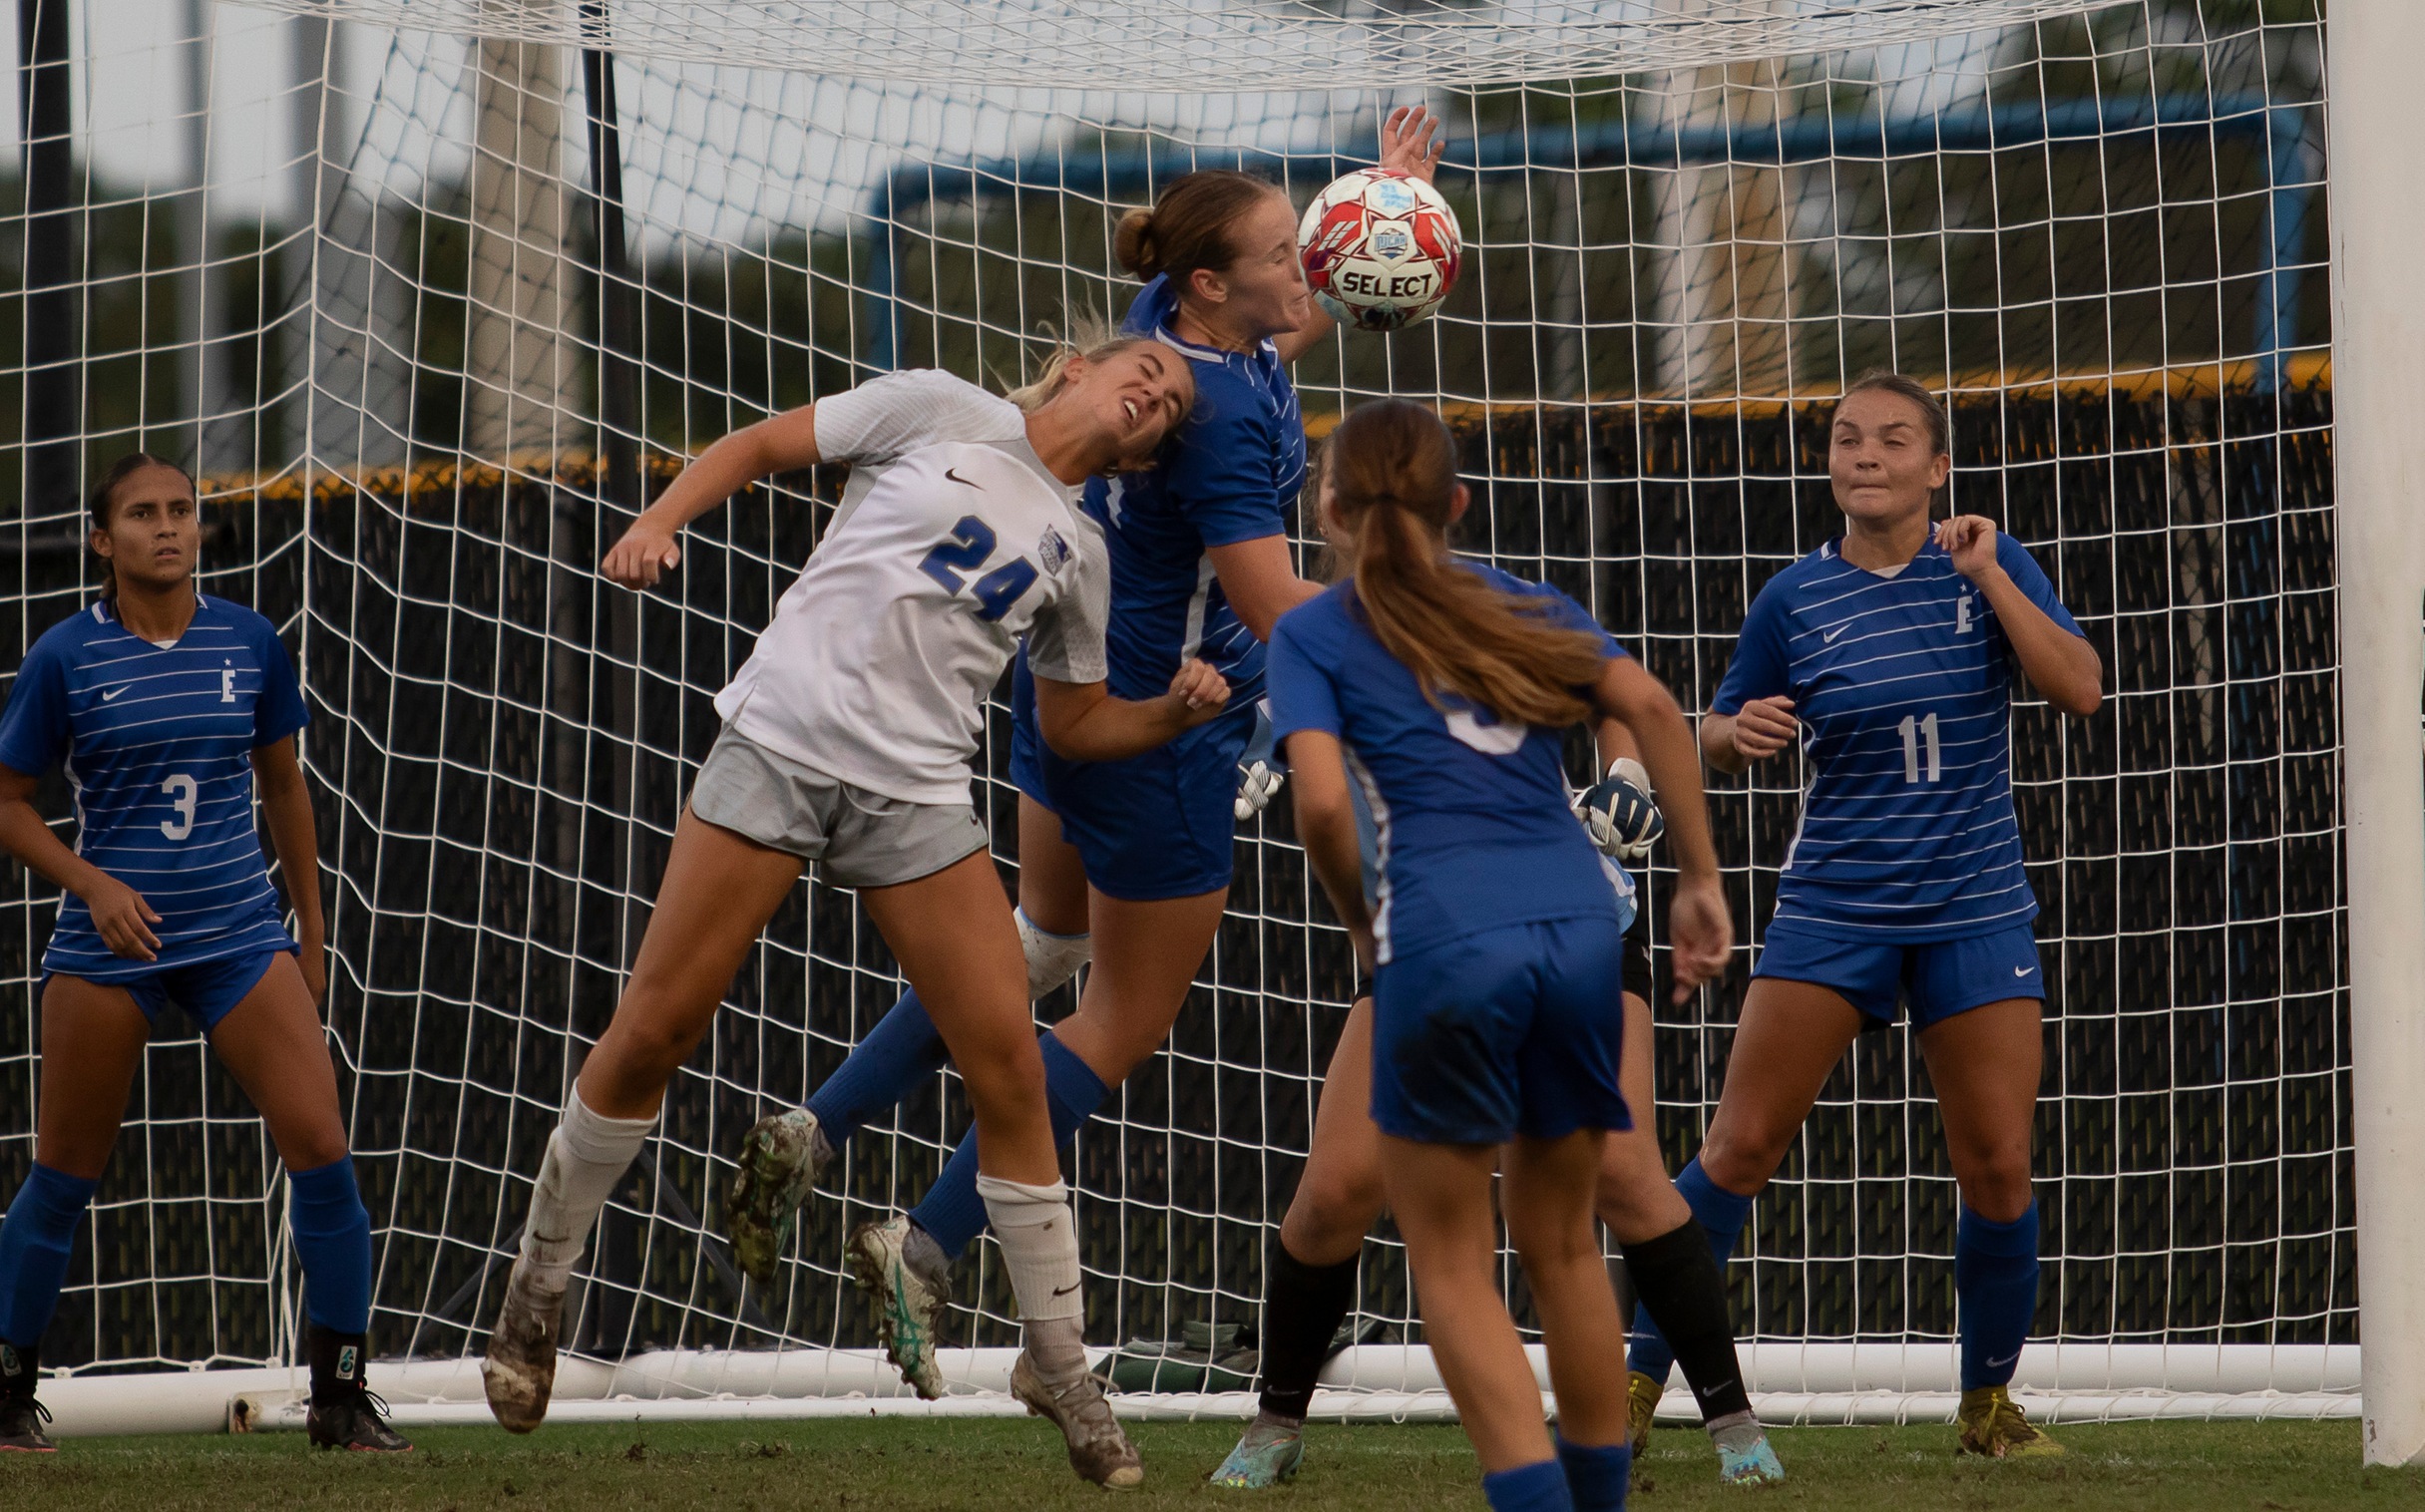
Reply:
x=2378, y=370
x=489, y=317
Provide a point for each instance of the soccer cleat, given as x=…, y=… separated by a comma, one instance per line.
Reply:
x=519, y=1370
x=779, y=1162
x=1746, y=1458
x=910, y=1290
x=1993, y=1427
x=1098, y=1450
x=21, y=1420
x=355, y=1420
x=1641, y=1404
x=1266, y=1455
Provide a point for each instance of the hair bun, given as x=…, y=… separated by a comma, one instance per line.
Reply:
x=1132, y=242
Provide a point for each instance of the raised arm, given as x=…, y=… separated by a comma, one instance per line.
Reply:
x=293, y=840
x=1325, y=827
x=1081, y=721
x=1698, y=919
x=777, y=444
x=1412, y=140
x=121, y=915
x=2058, y=664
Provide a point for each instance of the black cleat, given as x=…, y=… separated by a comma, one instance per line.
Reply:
x=355, y=1420
x=21, y=1420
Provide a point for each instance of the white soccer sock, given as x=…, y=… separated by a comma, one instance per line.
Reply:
x=1039, y=1239
x=586, y=1154
x=1051, y=959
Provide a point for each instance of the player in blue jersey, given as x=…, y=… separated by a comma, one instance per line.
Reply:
x=1888, y=653
x=1311, y=1284
x=1122, y=864
x=167, y=709
x=1497, y=944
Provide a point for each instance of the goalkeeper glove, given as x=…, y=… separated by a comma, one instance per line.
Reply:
x=1620, y=814
x=1260, y=769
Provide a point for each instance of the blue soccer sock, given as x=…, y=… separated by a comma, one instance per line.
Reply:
x=35, y=1241
x=1995, y=1283
x=332, y=1239
x=1596, y=1474
x=1722, y=1214
x=1537, y=1488
x=952, y=1212
x=882, y=1070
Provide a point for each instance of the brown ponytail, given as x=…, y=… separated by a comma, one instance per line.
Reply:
x=1393, y=469
x=1192, y=226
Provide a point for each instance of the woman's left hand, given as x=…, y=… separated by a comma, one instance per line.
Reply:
x=1411, y=142
x=1970, y=540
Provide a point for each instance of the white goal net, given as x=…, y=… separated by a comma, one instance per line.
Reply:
x=448, y=289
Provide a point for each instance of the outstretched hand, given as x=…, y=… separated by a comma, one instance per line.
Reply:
x=1411, y=142
x=647, y=553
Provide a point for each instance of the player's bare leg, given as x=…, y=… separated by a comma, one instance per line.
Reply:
x=1986, y=1065
x=92, y=1039
x=717, y=893
x=954, y=937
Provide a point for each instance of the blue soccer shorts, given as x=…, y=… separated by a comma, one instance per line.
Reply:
x=1938, y=979
x=1155, y=826
x=208, y=991
x=1513, y=1030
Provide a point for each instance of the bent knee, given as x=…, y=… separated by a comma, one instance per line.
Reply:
x=1328, y=1218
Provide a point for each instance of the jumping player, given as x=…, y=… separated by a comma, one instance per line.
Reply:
x=1122, y=864
x=168, y=707
x=847, y=740
x=1888, y=653
x=1311, y=1283
x=1497, y=945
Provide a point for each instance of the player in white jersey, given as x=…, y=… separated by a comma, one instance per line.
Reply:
x=847, y=741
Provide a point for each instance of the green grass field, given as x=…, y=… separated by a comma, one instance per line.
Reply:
x=993, y=1464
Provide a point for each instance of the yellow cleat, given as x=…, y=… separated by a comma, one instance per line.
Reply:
x=1993, y=1427
x=1641, y=1404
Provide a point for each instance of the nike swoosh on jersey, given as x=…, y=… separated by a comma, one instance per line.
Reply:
x=109, y=693
x=2024, y=971
x=1829, y=635
x=963, y=482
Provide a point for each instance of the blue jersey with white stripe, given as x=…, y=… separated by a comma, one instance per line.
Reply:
x=1903, y=687
x=158, y=744
x=1474, y=828
x=1230, y=475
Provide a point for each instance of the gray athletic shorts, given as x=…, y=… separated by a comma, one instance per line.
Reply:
x=861, y=838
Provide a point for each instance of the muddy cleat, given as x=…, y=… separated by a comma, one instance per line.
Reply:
x=355, y=1420
x=1641, y=1405
x=1993, y=1427
x=779, y=1162
x=1266, y=1455
x=519, y=1370
x=909, y=1278
x=1745, y=1456
x=21, y=1420
x=1098, y=1450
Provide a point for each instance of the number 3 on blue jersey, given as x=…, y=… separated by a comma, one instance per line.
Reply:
x=971, y=541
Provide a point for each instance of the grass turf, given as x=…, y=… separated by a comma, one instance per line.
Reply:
x=994, y=1464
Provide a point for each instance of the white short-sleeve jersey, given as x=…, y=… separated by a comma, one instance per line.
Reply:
x=952, y=541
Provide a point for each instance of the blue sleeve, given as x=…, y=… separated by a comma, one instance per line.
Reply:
x=1761, y=667
x=1221, y=473
x=280, y=711
x=1299, y=687
x=2032, y=580
x=34, y=730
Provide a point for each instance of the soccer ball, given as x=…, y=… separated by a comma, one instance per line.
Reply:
x=1380, y=249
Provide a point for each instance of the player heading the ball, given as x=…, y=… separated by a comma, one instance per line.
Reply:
x=847, y=742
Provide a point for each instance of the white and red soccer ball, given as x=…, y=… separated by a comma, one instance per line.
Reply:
x=1380, y=249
